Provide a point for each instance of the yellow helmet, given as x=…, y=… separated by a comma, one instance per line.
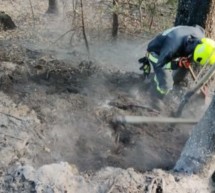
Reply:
x=204, y=52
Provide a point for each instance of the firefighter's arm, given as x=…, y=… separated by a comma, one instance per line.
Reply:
x=163, y=59
x=166, y=54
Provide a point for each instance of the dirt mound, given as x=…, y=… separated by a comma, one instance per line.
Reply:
x=63, y=177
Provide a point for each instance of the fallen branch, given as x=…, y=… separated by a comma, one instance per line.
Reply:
x=6, y=114
x=111, y=188
x=157, y=185
x=11, y=136
x=63, y=35
x=143, y=119
x=35, y=129
x=131, y=106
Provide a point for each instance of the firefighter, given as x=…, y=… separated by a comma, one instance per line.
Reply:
x=174, y=50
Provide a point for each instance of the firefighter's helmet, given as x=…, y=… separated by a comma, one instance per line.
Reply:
x=204, y=52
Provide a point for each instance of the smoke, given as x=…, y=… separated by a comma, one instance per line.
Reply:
x=122, y=55
x=73, y=125
x=74, y=135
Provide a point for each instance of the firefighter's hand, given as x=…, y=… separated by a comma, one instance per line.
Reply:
x=184, y=62
x=146, y=68
x=143, y=60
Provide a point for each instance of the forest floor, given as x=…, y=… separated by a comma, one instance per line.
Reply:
x=57, y=109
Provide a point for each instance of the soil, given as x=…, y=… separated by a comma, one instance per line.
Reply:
x=57, y=109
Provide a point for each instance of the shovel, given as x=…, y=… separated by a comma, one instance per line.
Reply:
x=204, y=91
x=190, y=93
x=144, y=119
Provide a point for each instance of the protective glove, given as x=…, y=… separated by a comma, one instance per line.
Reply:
x=184, y=62
x=146, y=68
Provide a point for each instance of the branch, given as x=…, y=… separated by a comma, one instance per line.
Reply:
x=83, y=29
x=11, y=116
x=63, y=35
x=32, y=12
x=11, y=136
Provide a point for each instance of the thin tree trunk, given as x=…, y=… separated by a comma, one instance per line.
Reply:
x=140, y=11
x=115, y=25
x=83, y=29
x=52, y=7
x=152, y=13
x=32, y=12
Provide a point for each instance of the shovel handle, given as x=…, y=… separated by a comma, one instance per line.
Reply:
x=195, y=78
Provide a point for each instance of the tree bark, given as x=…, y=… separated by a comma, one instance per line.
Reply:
x=210, y=22
x=52, y=7
x=201, y=144
x=191, y=12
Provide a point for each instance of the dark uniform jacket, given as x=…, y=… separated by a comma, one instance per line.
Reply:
x=179, y=41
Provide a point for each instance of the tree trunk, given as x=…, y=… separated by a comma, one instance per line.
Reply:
x=115, y=20
x=210, y=22
x=52, y=7
x=6, y=22
x=200, y=146
x=83, y=29
x=191, y=12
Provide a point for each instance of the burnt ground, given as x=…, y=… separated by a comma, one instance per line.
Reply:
x=76, y=107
